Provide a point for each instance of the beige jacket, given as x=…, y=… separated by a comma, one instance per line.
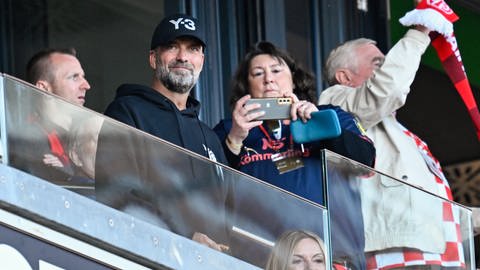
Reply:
x=395, y=215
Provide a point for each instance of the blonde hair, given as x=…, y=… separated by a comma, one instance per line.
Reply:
x=282, y=252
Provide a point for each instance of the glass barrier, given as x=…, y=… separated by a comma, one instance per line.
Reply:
x=395, y=223
x=372, y=220
x=151, y=179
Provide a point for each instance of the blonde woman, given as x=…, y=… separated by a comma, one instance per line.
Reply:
x=297, y=250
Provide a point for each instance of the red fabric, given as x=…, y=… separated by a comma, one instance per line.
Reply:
x=441, y=7
x=57, y=148
x=449, y=54
x=454, y=252
x=452, y=257
x=339, y=267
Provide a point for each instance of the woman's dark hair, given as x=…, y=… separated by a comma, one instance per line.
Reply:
x=303, y=80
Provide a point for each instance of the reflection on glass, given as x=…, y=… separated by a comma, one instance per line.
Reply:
x=403, y=225
x=154, y=180
x=185, y=193
x=82, y=148
x=45, y=128
x=47, y=137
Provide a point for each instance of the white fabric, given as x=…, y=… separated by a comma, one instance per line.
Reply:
x=428, y=18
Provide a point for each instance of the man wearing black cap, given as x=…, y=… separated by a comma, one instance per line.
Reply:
x=167, y=111
x=176, y=57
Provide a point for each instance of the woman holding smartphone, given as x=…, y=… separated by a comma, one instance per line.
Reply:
x=266, y=150
x=251, y=143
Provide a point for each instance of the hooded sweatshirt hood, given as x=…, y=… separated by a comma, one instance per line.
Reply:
x=150, y=94
x=145, y=108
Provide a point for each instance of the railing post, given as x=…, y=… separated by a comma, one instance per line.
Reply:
x=3, y=123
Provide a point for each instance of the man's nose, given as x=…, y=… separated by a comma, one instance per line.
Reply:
x=182, y=55
x=85, y=84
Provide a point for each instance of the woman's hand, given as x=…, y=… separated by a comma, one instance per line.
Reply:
x=302, y=109
x=243, y=120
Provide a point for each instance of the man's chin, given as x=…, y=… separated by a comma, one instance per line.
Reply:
x=80, y=102
x=181, y=89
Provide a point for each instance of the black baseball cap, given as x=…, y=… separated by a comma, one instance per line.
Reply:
x=175, y=26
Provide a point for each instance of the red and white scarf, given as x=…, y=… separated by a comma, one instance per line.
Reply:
x=439, y=17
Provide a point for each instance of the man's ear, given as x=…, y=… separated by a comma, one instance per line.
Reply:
x=153, y=59
x=44, y=85
x=343, y=76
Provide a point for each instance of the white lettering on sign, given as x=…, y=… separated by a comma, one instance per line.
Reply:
x=187, y=23
x=13, y=259
x=454, y=45
x=440, y=4
x=46, y=266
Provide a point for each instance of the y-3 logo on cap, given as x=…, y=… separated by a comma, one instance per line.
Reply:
x=187, y=23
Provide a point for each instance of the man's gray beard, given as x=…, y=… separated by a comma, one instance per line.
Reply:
x=180, y=82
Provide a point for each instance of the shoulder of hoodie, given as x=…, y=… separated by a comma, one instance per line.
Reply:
x=129, y=89
x=136, y=93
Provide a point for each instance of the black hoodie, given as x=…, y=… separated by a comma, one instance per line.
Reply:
x=146, y=109
x=153, y=180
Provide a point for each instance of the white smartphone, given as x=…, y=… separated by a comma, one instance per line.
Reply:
x=275, y=108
